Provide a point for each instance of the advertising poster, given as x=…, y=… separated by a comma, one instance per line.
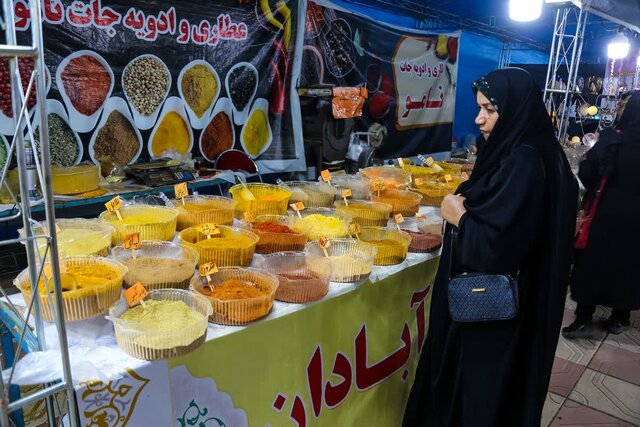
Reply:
x=143, y=80
x=410, y=75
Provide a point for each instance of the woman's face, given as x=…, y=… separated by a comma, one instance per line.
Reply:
x=487, y=116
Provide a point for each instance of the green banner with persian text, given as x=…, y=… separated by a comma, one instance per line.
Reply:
x=347, y=361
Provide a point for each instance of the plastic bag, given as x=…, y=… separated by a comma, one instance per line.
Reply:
x=348, y=101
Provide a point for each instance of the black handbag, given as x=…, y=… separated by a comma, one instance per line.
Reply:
x=478, y=297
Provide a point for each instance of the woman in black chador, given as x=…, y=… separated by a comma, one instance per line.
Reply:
x=515, y=215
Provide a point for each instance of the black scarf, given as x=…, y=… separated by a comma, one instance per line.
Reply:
x=625, y=131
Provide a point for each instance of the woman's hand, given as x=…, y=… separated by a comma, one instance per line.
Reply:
x=452, y=209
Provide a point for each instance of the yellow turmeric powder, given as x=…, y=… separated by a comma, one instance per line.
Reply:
x=232, y=242
x=256, y=133
x=199, y=87
x=78, y=277
x=233, y=289
x=171, y=135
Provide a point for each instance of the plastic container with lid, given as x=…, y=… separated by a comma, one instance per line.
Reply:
x=197, y=210
x=433, y=193
x=260, y=199
x=404, y=202
x=152, y=222
x=151, y=340
x=158, y=265
x=359, y=186
x=275, y=240
x=453, y=169
x=321, y=222
x=77, y=236
x=365, y=213
x=238, y=311
x=312, y=194
x=75, y=179
x=232, y=247
x=84, y=296
x=423, y=172
x=302, y=277
x=425, y=234
x=390, y=176
x=392, y=244
x=351, y=260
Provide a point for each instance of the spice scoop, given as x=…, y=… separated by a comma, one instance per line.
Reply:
x=245, y=193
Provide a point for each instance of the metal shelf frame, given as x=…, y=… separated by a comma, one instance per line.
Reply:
x=12, y=51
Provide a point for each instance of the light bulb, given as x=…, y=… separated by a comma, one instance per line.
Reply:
x=618, y=47
x=525, y=10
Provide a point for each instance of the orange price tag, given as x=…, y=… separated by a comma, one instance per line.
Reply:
x=181, y=190
x=447, y=177
x=398, y=218
x=324, y=243
x=208, y=269
x=135, y=294
x=355, y=229
x=378, y=186
x=208, y=229
x=465, y=175
x=249, y=217
x=326, y=175
x=347, y=193
x=132, y=241
x=429, y=161
x=114, y=206
x=297, y=206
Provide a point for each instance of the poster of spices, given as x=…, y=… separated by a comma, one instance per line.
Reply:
x=411, y=75
x=136, y=81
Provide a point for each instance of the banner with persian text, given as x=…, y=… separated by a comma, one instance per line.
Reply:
x=143, y=80
x=411, y=75
x=346, y=361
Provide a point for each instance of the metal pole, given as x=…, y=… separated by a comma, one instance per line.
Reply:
x=553, y=45
x=47, y=193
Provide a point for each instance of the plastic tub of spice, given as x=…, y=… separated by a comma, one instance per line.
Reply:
x=200, y=209
x=421, y=241
x=232, y=247
x=85, y=81
x=146, y=81
x=321, y=222
x=75, y=179
x=423, y=172
x=89, y=286
x=77, y=236
x=432, y=224
x=256, y=135
x=351, y=260
x=404, y=202
x=312, y=194
x=260, y=199
x=433, y=193
x=65, y=145
x=359, y=187
x=152, y=222
x=238, y=295
x=117, y=142
x=392, y=244
x=365, y=213
x=173, y=323
x=302, y=277
x=158, y=265
x=390, y=176
x=199, y=87
x=219, y=134
x=276, y=235
x=453, y=169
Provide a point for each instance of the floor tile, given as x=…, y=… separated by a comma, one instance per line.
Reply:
x=618, y=362
x=608, y=394
x=578, y=351
x=552, y=405
x=574, y=414
x=564, y=376
x=629, y=340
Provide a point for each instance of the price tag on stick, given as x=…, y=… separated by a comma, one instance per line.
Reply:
x=447, y=178
x=378, y=186
x=132, y=242
x=400, y=161
x=114, y=206
x=209, y=229
x=297, y=207
x=355, y=230
x=206, y=270
x=346, y=193
x=181, y=190
x=326, y=176
x=397, y=219
x=324, y=244
x=464, y=175
x=136, y=294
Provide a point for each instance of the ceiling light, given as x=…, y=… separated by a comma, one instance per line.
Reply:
x=525, y=10
x=618, y=47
